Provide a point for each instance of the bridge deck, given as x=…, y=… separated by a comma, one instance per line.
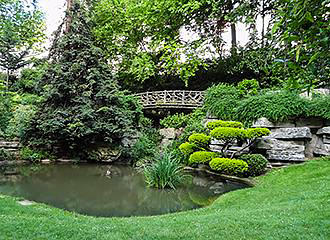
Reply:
x=172, y=99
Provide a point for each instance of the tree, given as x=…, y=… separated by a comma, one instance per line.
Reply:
x=302, y=27
x=83, y=106
x=21, y=30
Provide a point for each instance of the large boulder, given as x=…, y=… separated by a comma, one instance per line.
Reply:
x=292, y=133
x=322, y=148
x=322, y=131
x=265, y=123
x=168, y=133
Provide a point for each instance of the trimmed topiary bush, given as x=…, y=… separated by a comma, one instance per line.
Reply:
x=257, y=164
x=199, y=139
x=229, y=166
x=227, y=133
x=220, y=123
x=257, y=132
x=187, y=148
x=201, y=157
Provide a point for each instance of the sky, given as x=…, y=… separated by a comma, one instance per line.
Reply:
x=54, y=13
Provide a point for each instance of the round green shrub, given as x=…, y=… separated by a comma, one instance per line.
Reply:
x=220, y=123
x=199, y=139
x=201, y=157
x=187, y=148
x=257, y=164
x=257, y=132
x=229, y=166
x=228, y=133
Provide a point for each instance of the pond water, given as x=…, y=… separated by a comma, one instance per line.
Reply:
x=103, y=190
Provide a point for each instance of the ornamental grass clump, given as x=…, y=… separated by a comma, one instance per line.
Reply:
x=229, y=166
x=165, y=172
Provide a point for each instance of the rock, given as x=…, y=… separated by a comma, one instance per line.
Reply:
x=168, y=133
x=325, y=130
x=326, y=139
x=321, y=91
x=284, y=155
x=104, y=154
x=201, y=182
x=265, y=123
x=310, y=122
x=26, y=203
x=310, y=146
x=292, y=133
x=280, y=150
x=217, y=188
x=322, y=149
x=268, y=143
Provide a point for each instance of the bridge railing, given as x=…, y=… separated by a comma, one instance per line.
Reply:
x=172, y=99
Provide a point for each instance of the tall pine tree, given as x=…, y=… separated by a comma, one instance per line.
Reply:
x=84, y=107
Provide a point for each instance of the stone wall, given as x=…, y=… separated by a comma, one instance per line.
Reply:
x=290, y=142
x=11, y=146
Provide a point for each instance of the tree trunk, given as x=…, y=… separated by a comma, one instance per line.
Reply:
x=69, y=4
x=233, y=36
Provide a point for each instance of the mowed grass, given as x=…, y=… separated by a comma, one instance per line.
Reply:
x=290, y=203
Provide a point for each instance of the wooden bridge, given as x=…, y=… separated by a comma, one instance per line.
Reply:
x=179, y=99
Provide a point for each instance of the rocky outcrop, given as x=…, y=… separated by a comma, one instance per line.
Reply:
x=168, y=135
x=294, y=141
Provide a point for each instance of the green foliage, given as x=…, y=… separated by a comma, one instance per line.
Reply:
x=228, y=133
x=187, y=148
x=248, y=87
x=274, y=105
x=176, y=121
x=146, y=147
x=257, y=164
x=222, y=100
x=229, y=166
x=256, y=132
x=21, y=32
x=199, y=139
x=319, y=106
x=32, y=155
x=165, y=172
x=6, y=155
x=20, y=120
x=201, y=157
x=83, y=106
x=220, y=123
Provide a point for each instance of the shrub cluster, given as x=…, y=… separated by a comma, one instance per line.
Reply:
x=229, y=166
x=219, y=123
x=201, y=157
x=257, y=164
x=226, y=102
x=200, y=139
x=228, y=133
x=178, y=120
x=187, y=148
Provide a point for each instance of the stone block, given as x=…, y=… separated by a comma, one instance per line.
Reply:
x=310, y=146
x=326, y=139
x=265, y=123
x=285, y=155
x=311, y=122
x=325, y=130
x=168, y=133
x=292, y=133
x=322, y=149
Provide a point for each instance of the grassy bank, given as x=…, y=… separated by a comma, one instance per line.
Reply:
x=291, y=203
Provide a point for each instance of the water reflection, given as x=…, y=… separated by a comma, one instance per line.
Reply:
x=101, y=190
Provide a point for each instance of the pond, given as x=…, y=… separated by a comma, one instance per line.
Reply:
x=107, y=191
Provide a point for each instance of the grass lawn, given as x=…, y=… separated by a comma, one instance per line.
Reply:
x=291, y=203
